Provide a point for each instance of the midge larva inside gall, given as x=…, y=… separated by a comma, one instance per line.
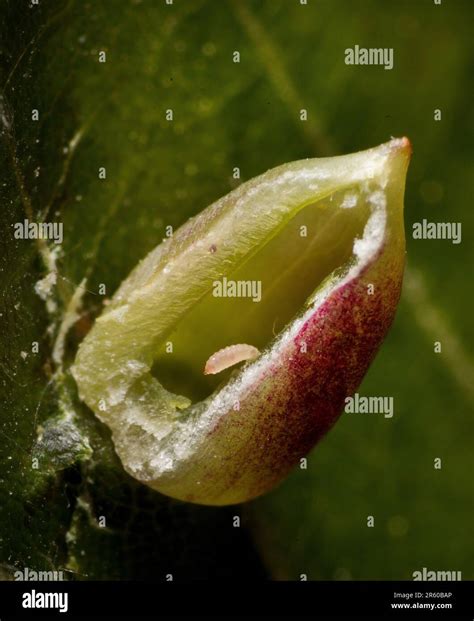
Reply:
x=228, y=356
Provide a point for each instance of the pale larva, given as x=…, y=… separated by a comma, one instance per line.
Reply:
x=228, y=356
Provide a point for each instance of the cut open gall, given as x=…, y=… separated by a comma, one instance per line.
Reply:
x=311, y=255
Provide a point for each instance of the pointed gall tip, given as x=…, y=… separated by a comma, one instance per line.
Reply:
x=406, y=144
x=402, y=144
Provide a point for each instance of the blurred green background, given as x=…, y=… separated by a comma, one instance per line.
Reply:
x=228, y=115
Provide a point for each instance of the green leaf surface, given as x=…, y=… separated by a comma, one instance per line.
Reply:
x=158, y=174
